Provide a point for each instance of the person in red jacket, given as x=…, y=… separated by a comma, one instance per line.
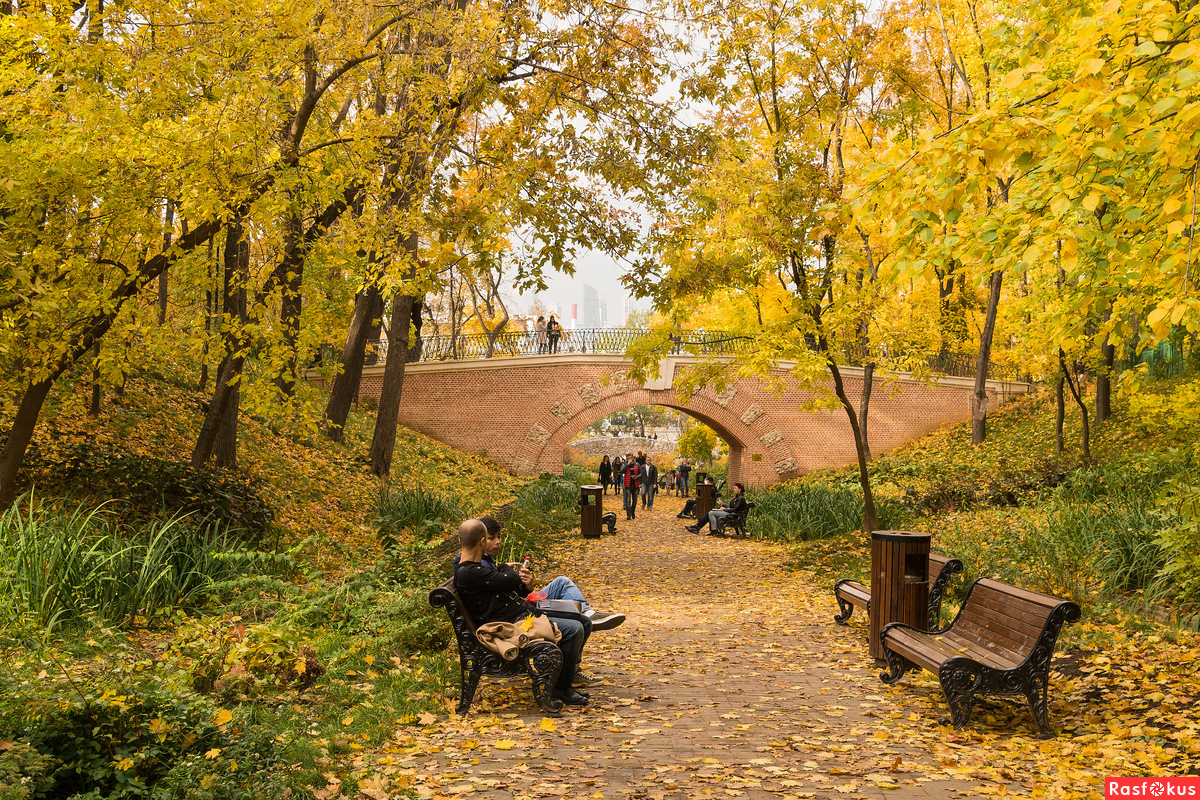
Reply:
x=631, y=482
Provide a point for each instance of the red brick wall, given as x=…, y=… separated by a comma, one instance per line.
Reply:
x=524, y=411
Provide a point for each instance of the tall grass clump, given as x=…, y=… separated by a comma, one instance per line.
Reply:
x=426, y=513
x=804, y=511
x=544, y=506
x=61, y=566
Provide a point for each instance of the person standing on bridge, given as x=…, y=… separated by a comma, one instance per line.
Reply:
x=543, y=344
x=553, y=333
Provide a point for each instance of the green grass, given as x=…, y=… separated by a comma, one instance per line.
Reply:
x=59, y=567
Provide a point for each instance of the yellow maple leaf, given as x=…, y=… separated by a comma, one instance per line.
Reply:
x=223, y=717
x=504, y=744
x=527, y=623
x=549, y=725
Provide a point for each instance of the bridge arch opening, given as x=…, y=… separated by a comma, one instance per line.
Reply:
x=563, y=437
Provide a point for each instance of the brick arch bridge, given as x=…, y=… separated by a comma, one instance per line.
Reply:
x=523, y=411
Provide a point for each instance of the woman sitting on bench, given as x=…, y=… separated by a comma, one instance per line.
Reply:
x=737, y=505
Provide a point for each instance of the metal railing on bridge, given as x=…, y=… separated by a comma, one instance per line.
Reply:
x=615, y=341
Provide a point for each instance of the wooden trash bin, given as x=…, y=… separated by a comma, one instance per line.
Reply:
x=704, y=501
x=591, y=509
x=899, y=583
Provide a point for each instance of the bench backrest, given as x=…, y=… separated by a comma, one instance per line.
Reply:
x=937, y=563
x=1009, y=619
x=446, y=596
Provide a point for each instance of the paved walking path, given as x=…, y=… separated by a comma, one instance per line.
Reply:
x=729, y=679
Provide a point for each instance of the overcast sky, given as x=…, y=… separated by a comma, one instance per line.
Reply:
x=595, y=269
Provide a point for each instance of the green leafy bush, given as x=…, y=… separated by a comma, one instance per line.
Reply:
x=154, y=486
x=237, y=662
x=802, y=511
x=24, y=772
x=59, y=566
x=115, y=734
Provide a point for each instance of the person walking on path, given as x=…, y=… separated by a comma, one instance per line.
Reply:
x=629, y=486
x=649, y=484
x=543, y=343
x=606, y=473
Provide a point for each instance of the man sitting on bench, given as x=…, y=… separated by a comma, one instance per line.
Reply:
x=498, y=595
x=737, y=505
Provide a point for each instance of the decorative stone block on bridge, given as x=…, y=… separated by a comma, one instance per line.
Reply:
x=524, y=411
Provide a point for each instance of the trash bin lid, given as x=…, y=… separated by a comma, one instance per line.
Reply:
x=899, y=536
x=594, y=486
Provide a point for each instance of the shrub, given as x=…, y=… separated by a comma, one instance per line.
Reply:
x=155, y=487
x=61, y=566
x=236, y=662
x=24, y=772
x=115, y=734
x=425, y=513
x=802, y=511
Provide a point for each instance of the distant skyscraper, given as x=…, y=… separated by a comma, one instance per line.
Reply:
x=591, y=308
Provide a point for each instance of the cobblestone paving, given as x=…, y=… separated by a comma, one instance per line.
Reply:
x=729, y=679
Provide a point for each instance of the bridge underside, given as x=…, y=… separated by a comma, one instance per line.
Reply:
x=524, y=411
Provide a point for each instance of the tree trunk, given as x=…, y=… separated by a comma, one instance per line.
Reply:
x=870, y=515
x=864, y=405
x=97, y=390
x=383, y=443
x=367, y=308
x=1108, y=357
x=218, y=434
x=169, y=221
x=979, y=399
x=291, y=277
x=20, y=433
x=1074, y=387
x=1060, y=415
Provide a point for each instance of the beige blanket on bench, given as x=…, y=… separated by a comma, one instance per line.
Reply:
x=507, y=638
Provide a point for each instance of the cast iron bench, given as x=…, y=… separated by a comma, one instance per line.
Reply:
x=736, y=521
x=1001, y=642
x=541, y=661
x=852, y=593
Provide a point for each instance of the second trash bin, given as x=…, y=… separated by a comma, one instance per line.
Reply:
x=704, y=500
x=899, y=582
x=590, y=510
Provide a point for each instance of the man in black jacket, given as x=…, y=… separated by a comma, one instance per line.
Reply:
x=498, y=595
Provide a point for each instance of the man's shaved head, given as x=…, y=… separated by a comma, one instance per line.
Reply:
x=471, y=533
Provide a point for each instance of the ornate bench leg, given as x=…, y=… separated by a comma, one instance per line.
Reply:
x=1035, y=691
x=960, y=680
x=545, y=664
x=846, y=610
x=470, y=681
x=897, y=664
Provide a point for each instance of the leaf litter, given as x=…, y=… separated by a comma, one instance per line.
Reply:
x=730, y=679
